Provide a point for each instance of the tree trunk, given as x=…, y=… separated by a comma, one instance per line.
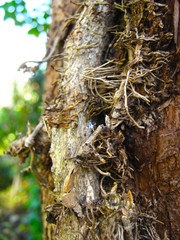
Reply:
x=112, y=119
x=114, y=122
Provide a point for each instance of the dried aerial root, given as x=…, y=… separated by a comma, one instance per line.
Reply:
x=123, y=88
x=58, y=115
x=138, y=74
x=121, y=220
x=104, y=152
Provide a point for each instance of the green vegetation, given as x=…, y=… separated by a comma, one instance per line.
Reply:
x=19, y=193
x=38, y=19
x=26, y=108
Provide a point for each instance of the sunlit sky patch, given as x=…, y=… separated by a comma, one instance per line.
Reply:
x=16, y=47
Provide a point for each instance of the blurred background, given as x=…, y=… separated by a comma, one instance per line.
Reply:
x=23, y=37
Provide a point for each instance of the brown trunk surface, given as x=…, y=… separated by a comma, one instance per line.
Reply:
x=156, y=155
x=112, y=116
x=153, y=152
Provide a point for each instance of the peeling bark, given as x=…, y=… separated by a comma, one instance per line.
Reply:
x=156, y=156
x=112, y=116
x=88, y=200
x=83, y=49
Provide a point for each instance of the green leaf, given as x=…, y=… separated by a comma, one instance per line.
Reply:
x=21, y=16
x=6, y=5
x=46, y=27
x=34, y=31
x=46, y=15
x=9, y=15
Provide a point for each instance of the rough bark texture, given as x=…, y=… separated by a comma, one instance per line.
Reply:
x=156, y=157
x=112, y=117
x=83, y=49
x=88, y=202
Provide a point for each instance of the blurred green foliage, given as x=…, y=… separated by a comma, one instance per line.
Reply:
x=20, y=196
x=32, y=217
x=26, y=108
x=38, y=18
x=20, y=210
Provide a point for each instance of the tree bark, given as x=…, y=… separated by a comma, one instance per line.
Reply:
x=83, y=49
x=112, y=116
x=92, y=200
